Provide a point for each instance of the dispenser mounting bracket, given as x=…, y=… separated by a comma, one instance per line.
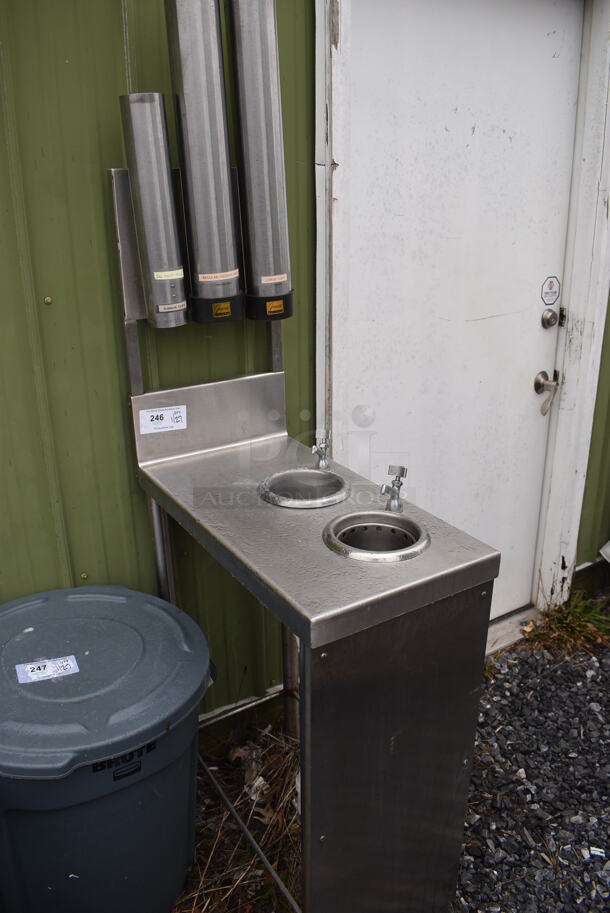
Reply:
x=130, y=274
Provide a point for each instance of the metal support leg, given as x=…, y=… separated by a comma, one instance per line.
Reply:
x=388, y=720
x=163, y=555
x=290, y=660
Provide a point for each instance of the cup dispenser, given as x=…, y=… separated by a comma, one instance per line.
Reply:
x=191, y=258
x=197, y=72
x=150, y=179
x=263, y=180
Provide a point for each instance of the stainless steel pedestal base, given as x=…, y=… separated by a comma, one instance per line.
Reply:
x=388, y=719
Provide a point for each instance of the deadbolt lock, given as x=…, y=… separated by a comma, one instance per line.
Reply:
x=549, y=318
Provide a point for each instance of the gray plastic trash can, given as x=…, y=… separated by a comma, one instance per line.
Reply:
x=99, y=695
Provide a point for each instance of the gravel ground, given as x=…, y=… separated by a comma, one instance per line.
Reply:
x=536, y=833
x=536, y=837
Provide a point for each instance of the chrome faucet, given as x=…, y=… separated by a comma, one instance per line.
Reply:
x=393, y=490
x=321, y=448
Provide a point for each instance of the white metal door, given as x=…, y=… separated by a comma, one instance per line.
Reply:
x=452, y=139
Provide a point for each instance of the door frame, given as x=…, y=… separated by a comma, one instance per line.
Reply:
x=586, y=280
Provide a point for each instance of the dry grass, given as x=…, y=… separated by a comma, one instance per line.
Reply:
x=583, y=623
x=258, y=774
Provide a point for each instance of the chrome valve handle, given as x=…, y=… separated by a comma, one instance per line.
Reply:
x=393, y=489
x=321, y=448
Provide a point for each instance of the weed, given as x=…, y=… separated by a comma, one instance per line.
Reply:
x=582, y=623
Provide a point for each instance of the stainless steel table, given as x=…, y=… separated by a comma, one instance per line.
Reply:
x=391, y=655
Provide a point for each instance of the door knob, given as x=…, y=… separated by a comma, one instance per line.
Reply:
x=542, y=384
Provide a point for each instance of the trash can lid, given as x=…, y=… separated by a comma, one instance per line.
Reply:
x=92, y=672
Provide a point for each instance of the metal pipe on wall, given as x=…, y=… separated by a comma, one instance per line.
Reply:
x=265, y=213
x=132, y=294
x=290, y=644
x=195, y=45
x=150, y=179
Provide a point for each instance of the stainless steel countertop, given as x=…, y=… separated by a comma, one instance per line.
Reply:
x=277, y=552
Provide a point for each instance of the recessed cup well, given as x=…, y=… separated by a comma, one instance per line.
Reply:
x=377, y=535
x=304, y=488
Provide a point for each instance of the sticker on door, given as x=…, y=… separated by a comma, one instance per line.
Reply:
x=551, y=289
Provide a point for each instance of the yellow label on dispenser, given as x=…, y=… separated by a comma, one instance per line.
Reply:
x=275, y=307
x=223, y=309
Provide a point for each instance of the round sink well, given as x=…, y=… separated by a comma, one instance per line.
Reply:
x=304, y=488
x=377, y=535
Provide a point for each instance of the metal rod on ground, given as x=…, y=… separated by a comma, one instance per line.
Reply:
x=290, y=645
x=225, y=713
x=257, y=849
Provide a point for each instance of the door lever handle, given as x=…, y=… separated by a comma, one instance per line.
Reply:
x=542, y=384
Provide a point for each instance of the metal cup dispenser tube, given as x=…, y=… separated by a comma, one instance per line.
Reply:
x=195, y=45
x=265, y=215
x=150, y=178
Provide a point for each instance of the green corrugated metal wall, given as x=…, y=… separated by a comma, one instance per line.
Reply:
x=69, y=503
x=595, y=517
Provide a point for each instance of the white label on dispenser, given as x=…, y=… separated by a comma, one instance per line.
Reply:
x=271, y=280
x=169, y=274
x=170, y=418
x=178, y=306
x=218, y=277
x=42, y=669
